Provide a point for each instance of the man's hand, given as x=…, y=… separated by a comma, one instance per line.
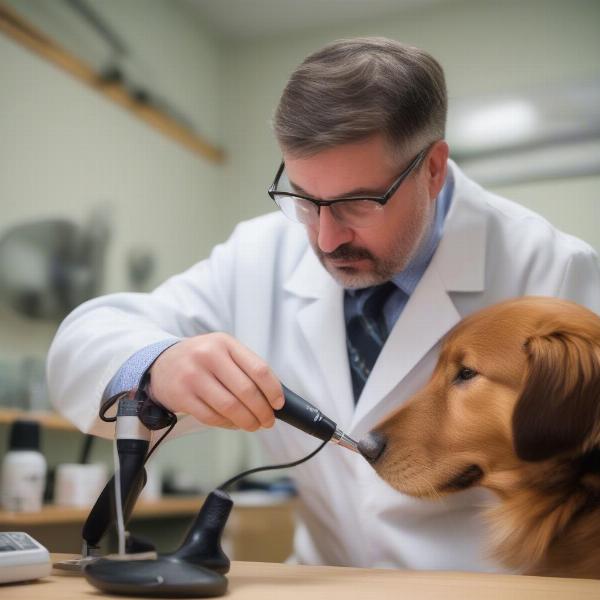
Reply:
x=217, y=380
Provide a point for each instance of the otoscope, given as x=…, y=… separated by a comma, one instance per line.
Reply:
x=197, y=568
x=301, y=414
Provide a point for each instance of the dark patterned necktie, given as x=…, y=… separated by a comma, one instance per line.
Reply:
x=366, y=333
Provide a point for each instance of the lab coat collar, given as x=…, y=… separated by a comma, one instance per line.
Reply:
x=460, y=255
x=310, y=279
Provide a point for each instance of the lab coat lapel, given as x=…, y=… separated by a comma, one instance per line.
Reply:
x=321, y=321
x=458, y=265
x=427, y=316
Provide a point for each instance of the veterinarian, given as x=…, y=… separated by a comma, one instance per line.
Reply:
x=303, y=296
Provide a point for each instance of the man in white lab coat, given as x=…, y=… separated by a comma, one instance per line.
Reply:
x=366, y=173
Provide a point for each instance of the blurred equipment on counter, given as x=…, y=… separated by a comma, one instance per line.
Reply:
x=79, y=484
x=279, y=488
x=178, y=482
x=23, y=469
x=49, y=267
x=152, y=491
x=22, y=558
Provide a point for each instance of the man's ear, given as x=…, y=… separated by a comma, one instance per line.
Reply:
x=437, y=166
x=559, y=407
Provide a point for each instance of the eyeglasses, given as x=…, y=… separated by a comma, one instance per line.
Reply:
x=349, y=211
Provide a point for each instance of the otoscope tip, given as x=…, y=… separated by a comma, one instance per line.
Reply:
x=340, y=438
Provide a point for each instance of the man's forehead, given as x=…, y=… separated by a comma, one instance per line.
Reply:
x=363, y=168
x=347, y=192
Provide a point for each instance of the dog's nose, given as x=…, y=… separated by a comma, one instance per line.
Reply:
x=372, y=446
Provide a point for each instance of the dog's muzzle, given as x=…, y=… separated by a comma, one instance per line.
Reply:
x=372, y=446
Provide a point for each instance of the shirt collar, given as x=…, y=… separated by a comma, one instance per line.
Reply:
x=408, y=279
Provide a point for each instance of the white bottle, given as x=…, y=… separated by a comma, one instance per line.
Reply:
x=23, y=469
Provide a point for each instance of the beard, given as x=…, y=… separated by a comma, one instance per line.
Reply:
x=382, y=268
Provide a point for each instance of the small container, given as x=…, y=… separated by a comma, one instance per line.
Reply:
x=23, y=469
x=79, y=485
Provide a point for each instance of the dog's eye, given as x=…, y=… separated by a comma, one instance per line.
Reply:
x=465, y=373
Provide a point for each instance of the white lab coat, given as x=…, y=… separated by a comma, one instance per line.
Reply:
x=265, y=287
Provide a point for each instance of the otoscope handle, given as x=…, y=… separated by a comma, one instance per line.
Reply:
x=304, y=416
x=133, y=479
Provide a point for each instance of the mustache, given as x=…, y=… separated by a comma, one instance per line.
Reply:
x=347, y=252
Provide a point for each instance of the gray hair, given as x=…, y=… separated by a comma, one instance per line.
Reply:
x=354, y=88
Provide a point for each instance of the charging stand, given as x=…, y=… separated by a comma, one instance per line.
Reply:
x=196, y=569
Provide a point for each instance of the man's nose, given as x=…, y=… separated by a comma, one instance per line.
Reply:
x=331, y=234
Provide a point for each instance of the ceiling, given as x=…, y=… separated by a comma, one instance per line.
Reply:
x=244, y=19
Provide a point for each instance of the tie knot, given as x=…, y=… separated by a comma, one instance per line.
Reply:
x=369, y=308
x=375, y=300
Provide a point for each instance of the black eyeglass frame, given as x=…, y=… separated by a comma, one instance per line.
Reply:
x=382, y=200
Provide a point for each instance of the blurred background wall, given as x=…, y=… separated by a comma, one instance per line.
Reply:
x=487, y=49
x=66, y=151
x=219, y=66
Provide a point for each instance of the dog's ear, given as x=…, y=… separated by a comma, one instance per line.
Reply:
x=559, y=407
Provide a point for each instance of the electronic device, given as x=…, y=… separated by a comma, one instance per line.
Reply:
x=22, y=558
x=137, y=416
x=197, y=567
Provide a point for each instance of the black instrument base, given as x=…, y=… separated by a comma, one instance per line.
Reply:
x=164, y=577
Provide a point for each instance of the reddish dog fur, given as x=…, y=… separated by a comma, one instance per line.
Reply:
x=513, y=405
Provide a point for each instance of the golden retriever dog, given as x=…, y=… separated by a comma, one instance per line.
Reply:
x=513, y=405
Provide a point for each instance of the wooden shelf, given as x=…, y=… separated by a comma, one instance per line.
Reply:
x=56, y=515
x=165, y=507
x=22, y=32
x=48, y=420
